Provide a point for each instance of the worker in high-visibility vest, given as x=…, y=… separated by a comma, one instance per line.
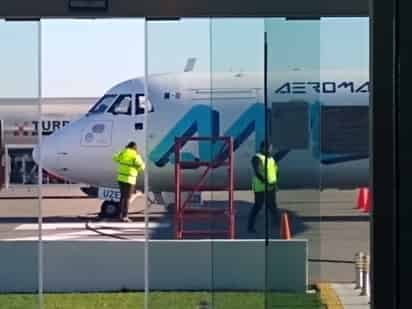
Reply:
x=258, y=184
x=130, y=165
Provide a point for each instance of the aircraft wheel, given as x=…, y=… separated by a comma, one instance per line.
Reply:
x=110, y=209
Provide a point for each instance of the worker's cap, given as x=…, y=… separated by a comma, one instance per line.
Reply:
x=131, y=145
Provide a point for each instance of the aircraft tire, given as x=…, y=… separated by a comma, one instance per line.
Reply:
x=110, y=210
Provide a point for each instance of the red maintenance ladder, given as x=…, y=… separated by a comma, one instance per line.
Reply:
x=185, y=213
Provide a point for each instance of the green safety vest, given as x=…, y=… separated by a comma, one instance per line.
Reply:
x=271, y=174
x=130, y=164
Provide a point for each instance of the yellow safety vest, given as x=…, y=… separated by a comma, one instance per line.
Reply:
x=271, y=174
x=130, y=164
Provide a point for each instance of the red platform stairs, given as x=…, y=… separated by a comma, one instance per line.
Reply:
x=186, y=213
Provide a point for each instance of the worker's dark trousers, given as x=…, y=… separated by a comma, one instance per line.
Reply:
x=126, y=191
x=259, y=201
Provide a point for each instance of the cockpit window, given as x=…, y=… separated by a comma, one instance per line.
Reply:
x=102, y=105
x=141, y=104
x=122, y=105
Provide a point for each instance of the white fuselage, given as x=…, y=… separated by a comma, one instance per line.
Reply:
x=224, y=104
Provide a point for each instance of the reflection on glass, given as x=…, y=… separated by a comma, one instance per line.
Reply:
x=204, y=81
x=344, y=146
x=293, y=75
x=237, y=96
x=19, y=191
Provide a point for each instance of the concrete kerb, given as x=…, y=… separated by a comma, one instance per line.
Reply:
x=86, y=266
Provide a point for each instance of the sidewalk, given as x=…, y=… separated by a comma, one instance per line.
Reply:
x=350, y=297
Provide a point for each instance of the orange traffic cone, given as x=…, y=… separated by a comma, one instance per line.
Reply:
x=284, y=227
x=368, y=204
x=362, y=198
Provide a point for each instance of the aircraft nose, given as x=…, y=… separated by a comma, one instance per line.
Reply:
x=46, y=152
x=35, y=155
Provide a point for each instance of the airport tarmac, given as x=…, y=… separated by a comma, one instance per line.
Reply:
x=335, y=230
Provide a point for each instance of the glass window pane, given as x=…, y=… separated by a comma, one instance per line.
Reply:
x=19, y=190
x=92, y=71
x=294, y=83
x=344, y=148
x=123, y=105
x=237, y=87
x=178, y=60
x=102, y=105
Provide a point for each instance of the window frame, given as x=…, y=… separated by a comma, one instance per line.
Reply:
x=93, y=109
x=119, y=99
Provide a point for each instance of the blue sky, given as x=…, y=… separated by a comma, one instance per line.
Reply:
x=19, y=59
x=86, y=57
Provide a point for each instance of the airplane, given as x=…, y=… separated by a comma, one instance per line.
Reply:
x=318, y=124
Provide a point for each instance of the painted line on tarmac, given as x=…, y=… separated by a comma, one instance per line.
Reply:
x=82, y=226
x=329, y=296
x=79, y=235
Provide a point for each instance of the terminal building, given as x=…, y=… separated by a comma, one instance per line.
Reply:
x=19, y=129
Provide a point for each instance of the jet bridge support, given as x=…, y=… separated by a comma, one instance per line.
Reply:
x=222, y=158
